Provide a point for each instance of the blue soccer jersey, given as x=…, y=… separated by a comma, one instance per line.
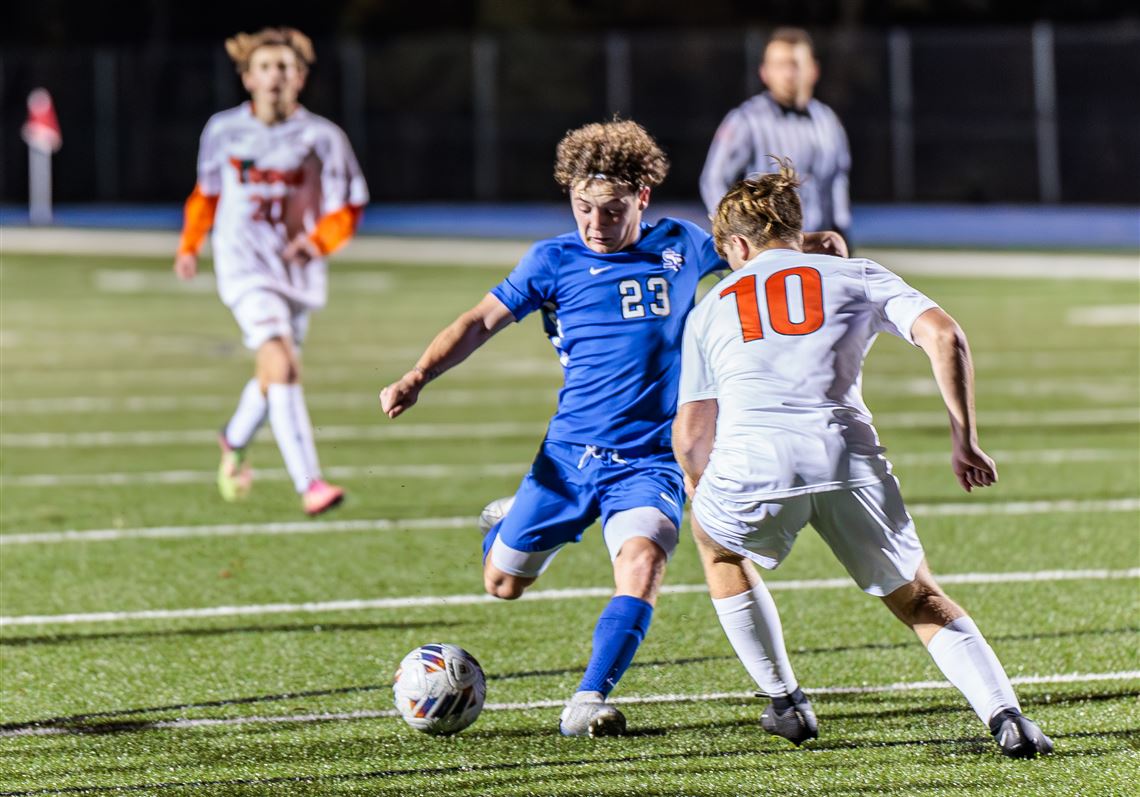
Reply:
x=616, y=321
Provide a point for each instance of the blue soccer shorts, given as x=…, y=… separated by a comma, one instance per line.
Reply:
x=570, y=486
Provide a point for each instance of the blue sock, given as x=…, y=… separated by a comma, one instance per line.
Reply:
x=620, y=629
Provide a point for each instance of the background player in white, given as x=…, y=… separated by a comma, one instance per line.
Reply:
x=785, y=120
x=282, y=189
x=772, y=432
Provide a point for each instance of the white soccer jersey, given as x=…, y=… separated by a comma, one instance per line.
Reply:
x=275, y=181
x=815, y=141
x=780, y=345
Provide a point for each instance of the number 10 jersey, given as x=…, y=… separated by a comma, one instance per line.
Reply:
x=780, y=345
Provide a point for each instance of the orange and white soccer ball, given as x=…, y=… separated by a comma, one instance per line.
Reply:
x=439, y=689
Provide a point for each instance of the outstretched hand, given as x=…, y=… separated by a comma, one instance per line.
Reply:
x=185, y=266
x=300, y=250
x=402, y=394
x=972, y=466
x=827, y=242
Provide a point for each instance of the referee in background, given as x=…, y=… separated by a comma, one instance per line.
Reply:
x=785, y=121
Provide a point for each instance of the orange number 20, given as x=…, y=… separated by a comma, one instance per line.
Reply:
x=776, y=294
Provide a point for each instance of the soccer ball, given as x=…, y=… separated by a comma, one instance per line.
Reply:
x=439, y=689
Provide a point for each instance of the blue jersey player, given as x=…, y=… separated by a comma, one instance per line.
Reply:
x=614, y=295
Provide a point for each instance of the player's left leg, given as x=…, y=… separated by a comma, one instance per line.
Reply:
x=870, y=531
x=957, y=646
x=641, y=513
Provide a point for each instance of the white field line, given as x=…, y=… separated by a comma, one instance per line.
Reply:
x=1111, y=315
x=451, y=397
x=1104, y=390
x=1054, y=456
x=950, y=509
x=384, y=430
x=450, y=601
x=534, y=705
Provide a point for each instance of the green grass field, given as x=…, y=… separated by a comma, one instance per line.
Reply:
x=114, y=381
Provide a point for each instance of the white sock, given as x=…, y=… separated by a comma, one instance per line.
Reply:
x=247, y=418
x=752, y=624
x=968, y=662
x=289, y=418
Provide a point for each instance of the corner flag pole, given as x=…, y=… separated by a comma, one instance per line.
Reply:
x=42, y=135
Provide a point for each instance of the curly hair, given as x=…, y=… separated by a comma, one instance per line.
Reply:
x=620, y=151
x=761, y=209
x=241, y=46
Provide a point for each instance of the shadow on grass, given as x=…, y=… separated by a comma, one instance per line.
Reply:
x=282, y=628
x=544, y=768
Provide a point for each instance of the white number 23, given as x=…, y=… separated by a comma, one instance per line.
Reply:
x=632, y=305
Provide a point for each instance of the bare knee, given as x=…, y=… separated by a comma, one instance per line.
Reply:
x=503, y=585
x=923, y=603
x=277, y=363
x=639, y=568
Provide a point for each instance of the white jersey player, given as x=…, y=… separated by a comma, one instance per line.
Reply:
x=772, y=434
x=282, y=189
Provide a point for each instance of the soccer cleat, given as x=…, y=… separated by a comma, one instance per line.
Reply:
x=1018, y=736
x=321, y=497
x=235, y=476
x=494, y=512
x=588, y=714
x=791, y=717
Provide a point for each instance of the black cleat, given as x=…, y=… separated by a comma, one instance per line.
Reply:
x=1018, y=736
x=791, y=717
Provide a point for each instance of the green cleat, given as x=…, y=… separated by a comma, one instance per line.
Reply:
x=235, y=476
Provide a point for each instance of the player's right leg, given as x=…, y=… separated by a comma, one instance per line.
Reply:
x=235, y=475
x=552, y=507
x=752, y=624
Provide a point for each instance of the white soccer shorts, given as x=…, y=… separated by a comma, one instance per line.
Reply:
x=867, y=528
x=264, y=315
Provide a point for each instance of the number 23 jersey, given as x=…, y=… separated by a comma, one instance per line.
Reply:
x=780, y=345
x=616, y=321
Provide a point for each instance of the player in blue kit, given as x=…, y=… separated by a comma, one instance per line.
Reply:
x=614, y=295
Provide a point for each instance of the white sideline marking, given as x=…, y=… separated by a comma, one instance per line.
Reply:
x=631, y=700
x=128, y=479
x=503, y=254
x=385, y=430
x=1054, y=456
x=951, y=509
x=152, y=281
x=1111, y=315
x=536, y=595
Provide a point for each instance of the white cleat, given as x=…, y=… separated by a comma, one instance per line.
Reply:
x=588, y=714
x=494, y=512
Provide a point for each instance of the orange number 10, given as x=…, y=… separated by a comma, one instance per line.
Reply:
x=776, y=293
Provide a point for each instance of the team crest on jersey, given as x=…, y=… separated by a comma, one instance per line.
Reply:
x=672, y=259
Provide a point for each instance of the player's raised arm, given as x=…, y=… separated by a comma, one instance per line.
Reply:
x=454, y=344
x=944, y=342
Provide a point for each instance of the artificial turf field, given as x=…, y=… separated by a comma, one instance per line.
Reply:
x=264, y=664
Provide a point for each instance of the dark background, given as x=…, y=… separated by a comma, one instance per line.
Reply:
x=134, y=83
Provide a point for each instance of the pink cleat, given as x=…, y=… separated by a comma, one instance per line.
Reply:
x=321, y=497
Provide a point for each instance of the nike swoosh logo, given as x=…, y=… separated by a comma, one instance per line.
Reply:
x=596, y=271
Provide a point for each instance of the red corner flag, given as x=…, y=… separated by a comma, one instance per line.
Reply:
x=41, y=131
